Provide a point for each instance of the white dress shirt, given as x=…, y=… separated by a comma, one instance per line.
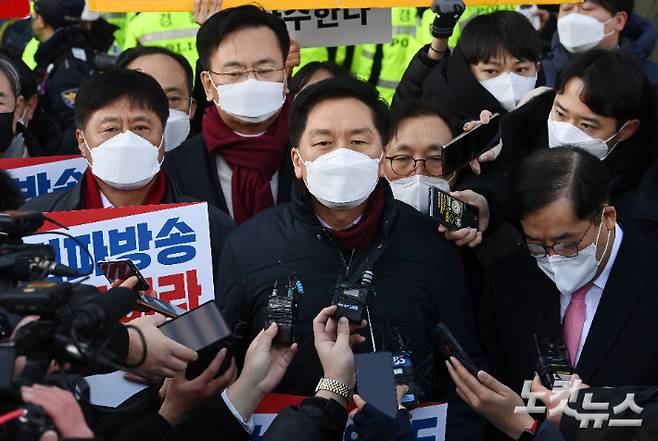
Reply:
x=225, y=174
x=593, y=297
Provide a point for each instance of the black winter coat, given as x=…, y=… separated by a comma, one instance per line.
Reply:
x=417, y=283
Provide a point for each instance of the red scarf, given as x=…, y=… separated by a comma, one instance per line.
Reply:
x=360, y=235
x=93, y=192
x=253, y=160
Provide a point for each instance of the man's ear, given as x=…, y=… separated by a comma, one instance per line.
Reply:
x=620, y=20
x=297, y=163
x=609, y=217
x=629, y=130
x=84, y=151
x=18, y=111
x=207, y=86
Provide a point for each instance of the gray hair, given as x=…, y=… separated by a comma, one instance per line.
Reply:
x=7, y=67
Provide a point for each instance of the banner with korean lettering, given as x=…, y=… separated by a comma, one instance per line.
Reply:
x=337, y=27
x=186, y=5
x=169, y=244
x=428, y=420
x=47, y=174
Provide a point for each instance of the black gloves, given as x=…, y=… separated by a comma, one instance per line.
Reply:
x=447, y=16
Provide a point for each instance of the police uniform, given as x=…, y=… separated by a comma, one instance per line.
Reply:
x=63, y=62
x=175, y=31
x=384, y=64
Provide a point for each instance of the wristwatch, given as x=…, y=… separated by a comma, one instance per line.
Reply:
x=336, y=387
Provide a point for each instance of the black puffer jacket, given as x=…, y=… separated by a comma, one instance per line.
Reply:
x=416, y=278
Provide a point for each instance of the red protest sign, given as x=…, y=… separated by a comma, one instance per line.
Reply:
x=14, y=8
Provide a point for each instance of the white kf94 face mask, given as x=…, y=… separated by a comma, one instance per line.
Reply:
x=342, y=179
x=509, y=88
x=125, y=162
x=571, y=273
x=564, y=133
x=580, y=32
x=251, y=101
x=177, y=129
x=414, y=190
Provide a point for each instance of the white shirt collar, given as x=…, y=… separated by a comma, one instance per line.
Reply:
x=603, y=277
x=105, y=201
x=326, y=225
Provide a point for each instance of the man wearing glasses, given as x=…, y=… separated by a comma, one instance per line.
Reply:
x=579, y=277
x=174, y=74
x=241, y=160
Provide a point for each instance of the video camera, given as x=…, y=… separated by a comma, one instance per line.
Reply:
x=74, y=327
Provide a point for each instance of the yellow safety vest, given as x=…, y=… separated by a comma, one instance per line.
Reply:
x=175, y=31
x=383, y=65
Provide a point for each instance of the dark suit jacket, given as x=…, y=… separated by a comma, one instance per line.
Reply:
x=194, y=172
x=622, y=344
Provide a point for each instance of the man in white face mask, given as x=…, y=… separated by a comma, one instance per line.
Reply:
x=598, y=24
x=581, y=277
x=342, y=220
x=174, y=74
x=413, y=165
x=240, y=161
x=120, y=115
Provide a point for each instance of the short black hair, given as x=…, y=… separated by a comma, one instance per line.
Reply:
x=337, y=88
x=417, y=109
x=26, y=77
x=219, y=25
x=615, y=6
x=104, y=88
x=306, y=72
x=487, y=34
x=615, y=84
x=129, y=55
x=547, y=175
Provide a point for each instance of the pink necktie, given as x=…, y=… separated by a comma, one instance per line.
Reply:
x=574, y=319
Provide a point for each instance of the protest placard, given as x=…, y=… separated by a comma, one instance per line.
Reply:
x=186, y=5
x=169, y=244
x=47, y=174
x=14, y=8
x=337, y=27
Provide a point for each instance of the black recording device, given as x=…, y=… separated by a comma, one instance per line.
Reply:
x=403, y=372
x=552, y=362
x=282, y=309
x=205, y=331
x=375, y=381
x=351, y=299
x=451, y=212
x=449, y=347
x=469, y=145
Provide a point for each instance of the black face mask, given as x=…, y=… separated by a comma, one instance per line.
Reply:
x=6, y=129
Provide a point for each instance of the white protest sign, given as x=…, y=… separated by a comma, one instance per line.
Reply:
x=169, y=244
x=337, y=27
x=42, y=175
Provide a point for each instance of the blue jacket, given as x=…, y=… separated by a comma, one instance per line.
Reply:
x=639, y=37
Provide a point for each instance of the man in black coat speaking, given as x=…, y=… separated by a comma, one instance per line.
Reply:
x=343, y=221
